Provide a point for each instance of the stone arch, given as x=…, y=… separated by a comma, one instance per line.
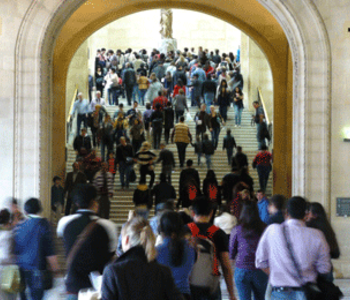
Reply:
x=311, y=92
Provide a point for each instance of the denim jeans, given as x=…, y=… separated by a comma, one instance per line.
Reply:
x=124, y=171
x=106, y=143
x=208, y=100
x=157, y=135
x=238, y=114
x=263, y=172
x=259, y=135
x=223, y=112
x=199, y=155
x=112, y=96
x=248, y=281
x=30, y=280
x=80, y=118
x=208, y=160
x=135, y=92
x=142, y=94
x=229, y=155
x=215, y=136
x=292, y=295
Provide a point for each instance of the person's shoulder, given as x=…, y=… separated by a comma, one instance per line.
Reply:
x=64, y=222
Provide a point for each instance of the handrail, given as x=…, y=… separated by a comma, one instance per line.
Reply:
x=72, y=103
x=261, y=99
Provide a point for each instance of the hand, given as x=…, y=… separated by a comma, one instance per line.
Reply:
x=211, y=129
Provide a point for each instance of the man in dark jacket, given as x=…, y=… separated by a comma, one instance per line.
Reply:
x=72, y=180
x=196, y=84
x=202, y=121
x=163, y=191
x=123, y=160
x=157, y=125
x=179, y=74
x=240, y=160
x=228, y=183
x=129, y=80
x=209, y=91
x=97, y=245
x=82, y=143
x=168, y=162
x=169, y=116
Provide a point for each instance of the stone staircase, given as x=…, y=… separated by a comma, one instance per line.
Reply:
x=245, y=137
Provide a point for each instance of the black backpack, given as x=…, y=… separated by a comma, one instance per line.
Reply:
x=209, y=148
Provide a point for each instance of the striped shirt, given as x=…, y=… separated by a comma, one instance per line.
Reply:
x=99, y=182
x=144, y=157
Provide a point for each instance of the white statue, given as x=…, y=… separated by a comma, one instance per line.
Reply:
x=166, y=21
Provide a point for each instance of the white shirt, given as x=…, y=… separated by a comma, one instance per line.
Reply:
x=226, y=222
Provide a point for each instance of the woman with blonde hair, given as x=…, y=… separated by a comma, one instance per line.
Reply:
x=136, y=274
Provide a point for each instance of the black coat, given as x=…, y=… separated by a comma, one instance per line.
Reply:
x=168, y=118
x=163, y=191
x=82, y=142
x=69, y=184
x=133, y=277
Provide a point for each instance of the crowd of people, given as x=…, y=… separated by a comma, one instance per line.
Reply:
x=259, y=248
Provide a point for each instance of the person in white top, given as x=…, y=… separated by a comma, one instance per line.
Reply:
x=112, y=82
x=225, y=220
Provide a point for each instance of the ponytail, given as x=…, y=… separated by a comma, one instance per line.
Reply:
x=141, y=234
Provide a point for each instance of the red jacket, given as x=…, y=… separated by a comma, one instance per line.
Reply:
x=177, y=89
x=161, y=100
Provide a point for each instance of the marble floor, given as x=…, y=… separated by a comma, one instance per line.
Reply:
x=58, y=293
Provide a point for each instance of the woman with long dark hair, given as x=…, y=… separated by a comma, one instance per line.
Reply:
x=244, y=241
x=136, y=274
x=223, y=98
x=175, y=252
x=238, y=105
x=318, y=219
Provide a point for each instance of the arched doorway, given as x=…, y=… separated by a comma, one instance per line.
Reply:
x=62, y=28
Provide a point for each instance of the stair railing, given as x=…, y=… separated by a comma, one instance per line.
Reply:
x=70, y=116
x=267, y=119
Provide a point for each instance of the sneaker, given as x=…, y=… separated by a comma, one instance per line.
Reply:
x=235, y=125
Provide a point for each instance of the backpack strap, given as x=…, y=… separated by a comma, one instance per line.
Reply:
x=210, y=233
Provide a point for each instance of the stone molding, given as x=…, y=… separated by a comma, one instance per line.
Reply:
x=310, y=47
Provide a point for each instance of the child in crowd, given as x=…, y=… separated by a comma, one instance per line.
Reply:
x=229, y=144
x=57, y=199
x=198, y=149
x=111, y=164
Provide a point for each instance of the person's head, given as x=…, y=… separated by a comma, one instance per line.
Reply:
x=260, y=194
x=256, y=104
x=148, y=105
x=112, y=70
x=203, y=107
x=104, y=167
x=202, y=207
x=250, y=220
x=276, y=203
x=182, y=119
x=211, y=174
x=212, y=109
x=32, y=206
x=158, y=106
x=181, y=92
x=239, y=149
x=238, y=90
x=138, y=232
x=189, y=163
x=180, y=83
x=5, y=217
x=317, y=211
x=83, y=131
x=217, y=51
x=122, y=140
x=223, y=83
x=145, y=146
x=57, y=180
x=98, y=94
x=75, y=166
x=171, y=226
x=84, y=196
x=228, y=131
x=206, y=137
x=296, y=208
x=121, y=105
x=135, y=104
x=111, y=155
x=160, y=93
x=80, y=96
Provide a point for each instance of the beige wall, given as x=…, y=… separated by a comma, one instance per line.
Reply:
x=141, y=30
x=78, y=73
x=257, y=73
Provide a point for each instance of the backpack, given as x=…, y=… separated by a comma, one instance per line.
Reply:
x=205, y=272
x=209, y=148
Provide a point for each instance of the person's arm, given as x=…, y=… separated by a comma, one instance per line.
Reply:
x=53, y=263
x=228, y=274
x=323, y=263
x=262, y=252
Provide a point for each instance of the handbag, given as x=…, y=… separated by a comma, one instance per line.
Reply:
x=11, y=280
x=132, y=176
x=323, y=289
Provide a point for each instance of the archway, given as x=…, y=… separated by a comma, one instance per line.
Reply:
x=49, y=62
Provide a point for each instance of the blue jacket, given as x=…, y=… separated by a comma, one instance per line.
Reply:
x=263, y=211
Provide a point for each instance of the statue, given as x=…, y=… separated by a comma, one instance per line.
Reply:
x=166, y=21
